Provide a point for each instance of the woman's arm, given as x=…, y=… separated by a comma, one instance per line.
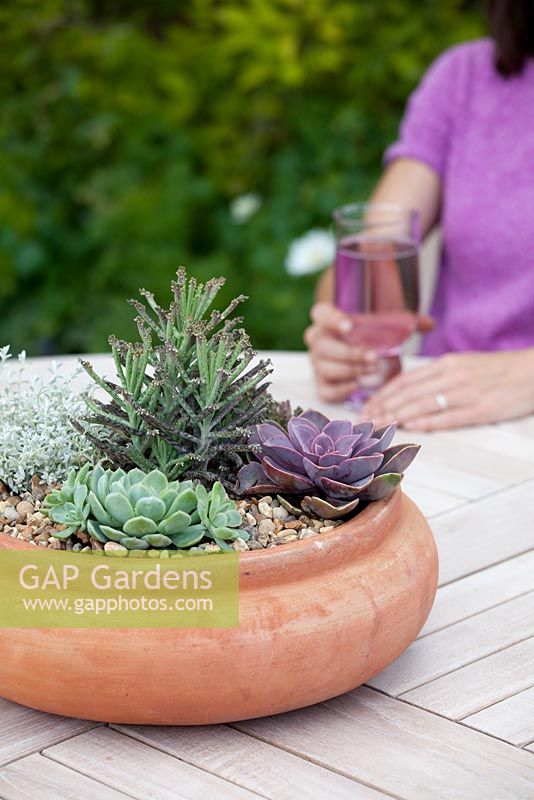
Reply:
x=407, y=183
x=338, y=365
x=411, y=184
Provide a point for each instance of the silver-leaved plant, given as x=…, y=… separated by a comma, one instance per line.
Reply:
x=36, y=435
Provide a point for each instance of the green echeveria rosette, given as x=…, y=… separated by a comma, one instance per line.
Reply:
x=219, y=515
x=143, y=511
x=69, y=505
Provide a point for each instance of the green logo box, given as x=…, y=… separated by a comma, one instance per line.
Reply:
x=62, y=589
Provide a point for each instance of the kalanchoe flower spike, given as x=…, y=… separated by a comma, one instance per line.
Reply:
x=186, y=394
x=333, y=464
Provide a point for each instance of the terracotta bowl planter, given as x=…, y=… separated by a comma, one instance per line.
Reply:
x=318, y=618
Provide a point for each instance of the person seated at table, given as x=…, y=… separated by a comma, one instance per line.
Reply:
x=465, y=160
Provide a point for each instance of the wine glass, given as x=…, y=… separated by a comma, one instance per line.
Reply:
x=377, y=283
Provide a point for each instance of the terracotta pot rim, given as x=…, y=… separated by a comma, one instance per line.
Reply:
x=353, y=539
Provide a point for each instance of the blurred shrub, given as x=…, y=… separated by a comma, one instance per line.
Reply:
x=127, y=129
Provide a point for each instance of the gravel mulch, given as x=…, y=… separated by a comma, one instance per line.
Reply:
x=267, y=521
x=271, y=525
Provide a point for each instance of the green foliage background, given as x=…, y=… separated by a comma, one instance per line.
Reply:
x=126, y=128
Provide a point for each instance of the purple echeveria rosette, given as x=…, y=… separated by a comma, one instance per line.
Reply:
x=333, y=463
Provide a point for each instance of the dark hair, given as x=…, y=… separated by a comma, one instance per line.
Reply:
x=511, y=25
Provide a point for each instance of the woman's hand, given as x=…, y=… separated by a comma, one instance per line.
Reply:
x=457, y=390
x=337, y=364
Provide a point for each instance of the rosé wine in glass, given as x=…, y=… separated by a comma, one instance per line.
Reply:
x=377, y=283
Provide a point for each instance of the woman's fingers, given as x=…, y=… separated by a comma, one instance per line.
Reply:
x=425, y=323
x=455, y=418
x=418, y=397
x=407, y=381
x=395, y=396
x=336, y=392
x=337, y=363
x=324, y=346
x=457, y=390
x=326, y=337
x=330, y=318
x=415, y=395
x=444, y=372
x=427, y=405
x=335, y=371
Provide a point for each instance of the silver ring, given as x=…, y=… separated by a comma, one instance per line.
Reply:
x=441, y=400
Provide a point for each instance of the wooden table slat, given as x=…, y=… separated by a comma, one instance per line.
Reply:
x=511, y=719
x=38, y=778
x=430, y=501
x=143, y=772
x=251, y=763
x=24, y=730
x=485, y=532
x=451, y=648
x=401, y=749
x=434, y=473
x=509, y=439
x=479, y=685
x=482, y=590
x=448, y=448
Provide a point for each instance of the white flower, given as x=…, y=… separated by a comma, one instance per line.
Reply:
x=244, y=207
x=311, y=252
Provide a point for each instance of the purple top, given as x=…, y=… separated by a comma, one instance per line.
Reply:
x=476, y=130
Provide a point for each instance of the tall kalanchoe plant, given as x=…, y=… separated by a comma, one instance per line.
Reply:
x=187, y=394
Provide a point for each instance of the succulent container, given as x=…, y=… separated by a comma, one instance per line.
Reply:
x=189, y=414
x=318, y=617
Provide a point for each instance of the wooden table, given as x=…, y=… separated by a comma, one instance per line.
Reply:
x=453, y=717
